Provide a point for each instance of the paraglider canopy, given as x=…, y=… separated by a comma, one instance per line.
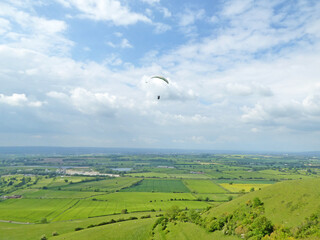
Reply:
x=162, y=78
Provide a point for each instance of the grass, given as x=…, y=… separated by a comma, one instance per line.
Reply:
x=203, y=186
x=157, y=185
x=216, y=197
x=149, y=175
x=238, y=187
x=62, y=209
x=133, y=202
x=189, y=176
x=35, y=193
x=129, y=230
x=287, y=203
x=57, y=181
x=244, y=181
x=10, y=231
x=33, y=210
x=107, y=185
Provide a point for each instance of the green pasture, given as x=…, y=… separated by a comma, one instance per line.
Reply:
x=129, y=230
x=203, y=186
x=107, y=185
x=157, y=185
x=58, y=181
x=42, y=182
x=189, y=176
x=11, y=231
x=134, y=202
x=36, y=193
x=244, y=181
x=149, y=175
x=285, y=175
x=216, y=175
x=9, y=183
x=33, y=210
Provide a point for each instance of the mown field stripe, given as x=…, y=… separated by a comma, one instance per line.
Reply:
x=65, y=210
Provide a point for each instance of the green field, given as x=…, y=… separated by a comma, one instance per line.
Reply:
x=59, y=209
x=107, y=185
x=157, y=185
x=58, y=181
x=36, y=193
x=10, y=231
x=33, y=210
x=140, y=201
x=189, y=176
x=129, y=230
x=149, y=175
x=203, y=190
x=203, y=186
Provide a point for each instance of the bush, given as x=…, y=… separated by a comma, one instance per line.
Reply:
x=124, y=211
x=43, y=237
x=257, y=202
x=55, y=234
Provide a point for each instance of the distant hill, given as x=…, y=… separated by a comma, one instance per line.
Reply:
x=46, y=150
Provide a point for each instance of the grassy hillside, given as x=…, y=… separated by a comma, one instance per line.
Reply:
x=130, y=230
x=11, y=231
x=287, y=203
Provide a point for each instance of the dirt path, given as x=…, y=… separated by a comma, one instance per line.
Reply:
x=14, y=222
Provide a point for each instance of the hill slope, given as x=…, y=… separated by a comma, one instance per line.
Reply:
x=287, y=203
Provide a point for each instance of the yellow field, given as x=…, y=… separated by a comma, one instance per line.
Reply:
x=237, y=187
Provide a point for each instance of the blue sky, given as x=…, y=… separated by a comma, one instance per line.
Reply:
x=244, y=75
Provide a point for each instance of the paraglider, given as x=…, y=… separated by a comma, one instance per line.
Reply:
x=161, y=78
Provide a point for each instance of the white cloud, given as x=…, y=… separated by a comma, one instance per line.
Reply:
x=161, y=28
x=124, y=43
x=93, y=103
x=166, y=12
x=190, y=16
x=297, y=115
x=248, y=89
x=311, y=104
x=236, y=7
x=239, y=89
x=106, y=10
x=57, y=95
x=5, y=25
x=17, y=99
x=254, y=74
x=151, y=1
x=33, y=32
